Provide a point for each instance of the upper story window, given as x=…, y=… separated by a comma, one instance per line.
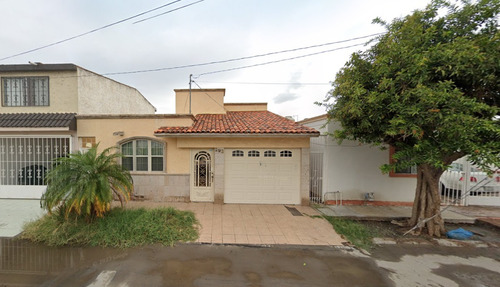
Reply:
x=25, y=91
x=143, y=155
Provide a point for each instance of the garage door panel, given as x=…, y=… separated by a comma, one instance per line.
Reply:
x=273, y=180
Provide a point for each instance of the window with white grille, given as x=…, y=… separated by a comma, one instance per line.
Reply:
x=143, y=155
x=253, y=153
x=285, y=153
x=238, y=153
x=26, y=160
x=25, y=91
x=269, y=153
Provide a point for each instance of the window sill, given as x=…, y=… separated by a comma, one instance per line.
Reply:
x=147, y=173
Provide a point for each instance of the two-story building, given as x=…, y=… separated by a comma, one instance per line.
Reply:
x=38, y=118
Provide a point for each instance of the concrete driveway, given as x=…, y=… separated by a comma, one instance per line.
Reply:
x=15, y=212
x=257, y=224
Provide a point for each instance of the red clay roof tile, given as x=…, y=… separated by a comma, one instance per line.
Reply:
x=254, y=122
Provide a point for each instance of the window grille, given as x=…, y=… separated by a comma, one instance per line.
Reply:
x=238, y=153
x=285, y=153
x=26, y=160
x=253, y=153
x=269, y=153
x=25, y=91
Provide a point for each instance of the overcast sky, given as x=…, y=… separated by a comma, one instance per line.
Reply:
x=208, y=31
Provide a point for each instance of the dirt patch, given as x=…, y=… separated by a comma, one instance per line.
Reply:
x=482, y=232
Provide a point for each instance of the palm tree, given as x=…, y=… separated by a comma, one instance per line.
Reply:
x=85, y=182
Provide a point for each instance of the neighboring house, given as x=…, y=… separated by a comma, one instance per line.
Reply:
x=354, y=170
x=38, y=118
x=210, y=151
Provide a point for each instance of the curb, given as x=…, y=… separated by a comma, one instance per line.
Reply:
x=444, y=242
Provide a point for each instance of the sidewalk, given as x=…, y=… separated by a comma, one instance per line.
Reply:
x=15, y=212
x=453, y=214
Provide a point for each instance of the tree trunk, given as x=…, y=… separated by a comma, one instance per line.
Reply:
x=427, y=201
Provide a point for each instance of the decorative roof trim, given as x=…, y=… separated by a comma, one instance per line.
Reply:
x=240, y=135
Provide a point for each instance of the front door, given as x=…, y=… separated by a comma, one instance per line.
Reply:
x=202, y=176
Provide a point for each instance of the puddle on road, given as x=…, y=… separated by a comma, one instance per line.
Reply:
x=26, y=264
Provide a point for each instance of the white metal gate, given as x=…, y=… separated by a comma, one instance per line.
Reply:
x=24, y=162
x=464, y=184
x=316, y=177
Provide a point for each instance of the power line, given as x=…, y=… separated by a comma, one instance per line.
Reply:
x=241, y=58
x=209, y=95
x=276, y=61
x=263, y=83
x=149, y=18
x=95, y=30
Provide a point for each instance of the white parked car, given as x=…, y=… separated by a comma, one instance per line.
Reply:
x=452, y=181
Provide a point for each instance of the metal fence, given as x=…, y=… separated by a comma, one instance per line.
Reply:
x=25, y=160
x=464, y=184
x=316, y=178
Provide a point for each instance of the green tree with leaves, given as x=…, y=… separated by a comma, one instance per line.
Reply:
x=84, y=184
x=429, y=87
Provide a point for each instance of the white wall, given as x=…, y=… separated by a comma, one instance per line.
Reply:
x=100, y=95
x=354, y=169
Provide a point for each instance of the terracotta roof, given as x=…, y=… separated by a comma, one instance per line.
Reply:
x=254, y=122
x=38, y=120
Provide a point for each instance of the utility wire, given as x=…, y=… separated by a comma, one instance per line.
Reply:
x=241, y=58
x=276, y=61
x=94, y=30
x=263, y=83
x=208, y=95
x=149, y=18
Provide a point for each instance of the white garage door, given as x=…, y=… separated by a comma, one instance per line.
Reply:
x=269, y=176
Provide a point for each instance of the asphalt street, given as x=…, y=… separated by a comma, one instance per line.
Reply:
x=218, y=265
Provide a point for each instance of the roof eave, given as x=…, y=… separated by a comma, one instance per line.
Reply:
x=34, y=129
x=242, y=135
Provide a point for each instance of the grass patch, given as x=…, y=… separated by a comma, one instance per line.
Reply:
x=119, y=228
x=357, y=233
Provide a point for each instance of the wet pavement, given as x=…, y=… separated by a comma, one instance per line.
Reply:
x=26, y=264
x=15, y=212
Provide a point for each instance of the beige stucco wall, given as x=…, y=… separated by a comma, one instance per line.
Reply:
x=203, y=101
x=101, y=95
x=230, y=107
x=177, y=161
x=243, y=142
x=62, y=92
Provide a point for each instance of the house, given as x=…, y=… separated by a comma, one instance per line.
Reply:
x=353, y=169
x=210, y=151
x=38, y=118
